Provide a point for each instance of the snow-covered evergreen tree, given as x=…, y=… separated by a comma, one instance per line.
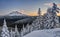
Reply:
x=11, y=33
x=54, y=15
x=5, y=31
x=51, y=19
x=21, y=33
x=38, y=23
x=24, y=30
x=31, y=28
x=48, y=19
x=17, y=34
x=28, y=28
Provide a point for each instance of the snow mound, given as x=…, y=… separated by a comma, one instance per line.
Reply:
x=16, y=13
x=45, y=33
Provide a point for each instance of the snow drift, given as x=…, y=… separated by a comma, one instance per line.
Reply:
x=45, y=33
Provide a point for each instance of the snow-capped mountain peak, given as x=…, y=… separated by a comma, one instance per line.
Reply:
x=16, y=13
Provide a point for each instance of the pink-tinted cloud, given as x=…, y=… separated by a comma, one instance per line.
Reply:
x=23, y=11
x=50, y=4
x=30, y=13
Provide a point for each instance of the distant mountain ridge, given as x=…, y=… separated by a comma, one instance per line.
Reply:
x=16, y=13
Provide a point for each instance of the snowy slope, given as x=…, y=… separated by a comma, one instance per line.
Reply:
x=45, y=33
x=16, y=13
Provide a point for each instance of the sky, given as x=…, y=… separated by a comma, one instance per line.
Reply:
x=29, y=7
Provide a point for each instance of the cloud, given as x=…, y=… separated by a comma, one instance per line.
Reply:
x=23, y=11
x=32, y=13
x=58, y=5
x=27, y=12
x=50, y=4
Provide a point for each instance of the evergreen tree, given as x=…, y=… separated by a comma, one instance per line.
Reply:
x=11, y=33
x=21, y=35
x=24, y=30
x=48, y=19
x=28, y=28
x=54, y=15
x=38, y=23
x=5, y=31
x=31, y=28
x=16, y=32
x=51, y=19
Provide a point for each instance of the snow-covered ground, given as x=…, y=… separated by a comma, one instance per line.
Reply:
x=45, y=33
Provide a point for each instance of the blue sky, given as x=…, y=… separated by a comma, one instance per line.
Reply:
x=29, y=6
